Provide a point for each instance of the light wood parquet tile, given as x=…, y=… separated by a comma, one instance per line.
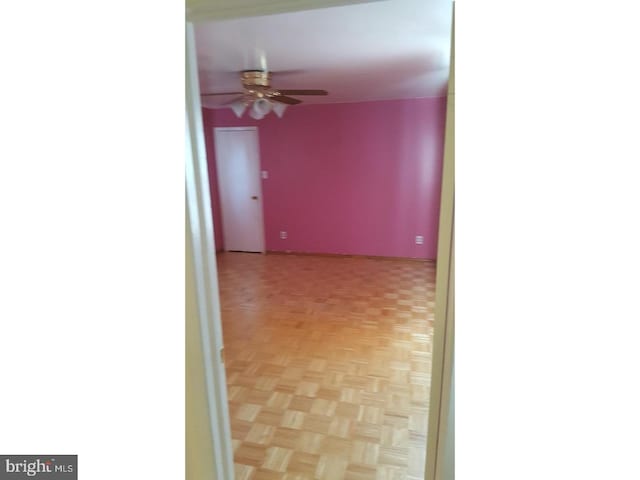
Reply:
x=328, y=365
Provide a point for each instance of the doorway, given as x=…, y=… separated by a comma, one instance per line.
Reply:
x=238, y=166
x=278, y=453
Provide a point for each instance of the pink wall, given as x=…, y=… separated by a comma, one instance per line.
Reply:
x=353, y=178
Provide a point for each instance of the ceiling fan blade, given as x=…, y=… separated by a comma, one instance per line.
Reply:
x=303, y=92
x=284, y=99
x=223, y=93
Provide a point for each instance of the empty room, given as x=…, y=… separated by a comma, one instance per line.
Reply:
x=324, y=133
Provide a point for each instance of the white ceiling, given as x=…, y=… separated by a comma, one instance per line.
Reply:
x=369, y=51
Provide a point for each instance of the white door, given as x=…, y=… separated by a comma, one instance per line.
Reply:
x=239, y=184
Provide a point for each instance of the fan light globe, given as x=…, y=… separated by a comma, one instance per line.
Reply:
x=262, y=106
x=279, y=109
x=238, y=108
x=254, y=115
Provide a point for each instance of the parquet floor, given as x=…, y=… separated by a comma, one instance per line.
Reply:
x=328, y=364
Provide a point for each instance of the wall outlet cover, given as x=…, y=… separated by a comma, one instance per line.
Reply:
x=265, y=174
x=283, y=235
x=419, y=240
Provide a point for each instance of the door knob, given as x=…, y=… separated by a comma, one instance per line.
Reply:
x=254, y=198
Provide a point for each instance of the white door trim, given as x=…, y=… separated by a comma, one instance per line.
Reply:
x=263, y=241
x=440, y=432
x=200, y=235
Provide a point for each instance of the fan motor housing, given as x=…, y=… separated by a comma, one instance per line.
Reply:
x=255, y=78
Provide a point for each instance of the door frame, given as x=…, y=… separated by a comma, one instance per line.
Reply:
x=263, y=241
x=204, y=274
x=441, y=431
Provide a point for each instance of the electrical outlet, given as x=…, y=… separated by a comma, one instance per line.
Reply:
x=419, y=240
x=283, y=235
x=265, y=174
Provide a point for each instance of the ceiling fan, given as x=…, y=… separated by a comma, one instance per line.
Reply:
x=258, y=93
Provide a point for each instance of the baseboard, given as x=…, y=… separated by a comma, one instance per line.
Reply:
x=340, y=255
